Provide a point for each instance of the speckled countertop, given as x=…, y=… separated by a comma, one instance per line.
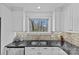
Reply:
x=15, y=45
x=67, y=47
x=27, y=43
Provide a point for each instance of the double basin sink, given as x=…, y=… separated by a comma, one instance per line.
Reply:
x=38, y=43
x=42, y=43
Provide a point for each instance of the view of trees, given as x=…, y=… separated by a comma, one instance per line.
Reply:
x=39, y=25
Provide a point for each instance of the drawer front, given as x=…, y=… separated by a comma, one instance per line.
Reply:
x=15, y=51
x=37, y=50
x=45, y=49
x=31, y=53
x=31, y=50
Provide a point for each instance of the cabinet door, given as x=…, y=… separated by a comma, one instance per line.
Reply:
x=31, y=50
x=36, y=51
x=45, y=50
x=15, y=51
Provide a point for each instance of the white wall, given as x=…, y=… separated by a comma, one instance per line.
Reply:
x=11, y=22
x=0, y=9
x=6, y=27
x=17, y=22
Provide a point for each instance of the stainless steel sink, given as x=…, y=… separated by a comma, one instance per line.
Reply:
x=43, y=43
x=34, y=43
x=38, y=43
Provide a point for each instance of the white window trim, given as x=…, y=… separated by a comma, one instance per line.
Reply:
x=24, y=21
x=49, y=24
x=52, y=17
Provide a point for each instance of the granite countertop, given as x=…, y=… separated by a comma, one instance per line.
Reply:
x=67, y=47
x=20, y=44
x=27, y=43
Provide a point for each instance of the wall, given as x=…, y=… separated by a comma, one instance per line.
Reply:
x=6, y=27
x=0, y=32
x=58, y=20
x=12, y=21
x=0, y=9
x=17, y=22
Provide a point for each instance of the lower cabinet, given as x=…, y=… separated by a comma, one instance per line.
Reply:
x=31, y=50
x=36, y=50
x=15, y=51
x=44, y=51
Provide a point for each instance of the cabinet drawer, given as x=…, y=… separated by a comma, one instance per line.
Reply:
x=45, y=49
x=31, y=52
x=15, y=51
x=31, y=49
x=37, y=50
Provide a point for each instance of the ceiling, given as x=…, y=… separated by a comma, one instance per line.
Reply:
x=34, y=7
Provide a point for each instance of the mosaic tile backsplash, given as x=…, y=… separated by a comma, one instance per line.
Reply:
x=72, y=38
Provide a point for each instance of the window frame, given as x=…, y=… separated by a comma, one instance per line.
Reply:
x=33, y=19
x=49, y=24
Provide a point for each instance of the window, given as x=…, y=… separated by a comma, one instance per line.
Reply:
x=38, y=24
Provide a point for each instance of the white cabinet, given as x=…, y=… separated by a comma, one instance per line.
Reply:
x=31, y=50
x=67, y=18
x=15, y=51
x=44, y=51
x=36, y=50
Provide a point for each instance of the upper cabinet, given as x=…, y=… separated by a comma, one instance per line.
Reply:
x=72, y=18
x=75, y=8
x=67, y=18
x=58, y=20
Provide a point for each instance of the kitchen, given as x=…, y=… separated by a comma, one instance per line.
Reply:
x=39, y=29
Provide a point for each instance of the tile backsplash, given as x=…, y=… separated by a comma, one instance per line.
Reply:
x=26, y=36
x=72, y=38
